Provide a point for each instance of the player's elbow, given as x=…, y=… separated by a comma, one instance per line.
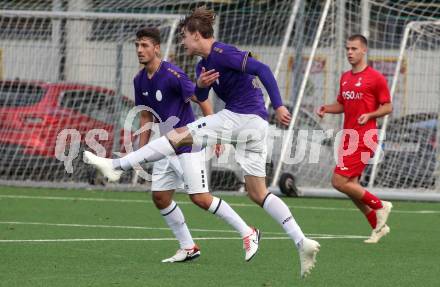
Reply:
x=388, y=108
x=195, y=100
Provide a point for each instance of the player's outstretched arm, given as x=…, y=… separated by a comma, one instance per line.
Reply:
x=383, y=110
x=335, y=108
x=263, y=72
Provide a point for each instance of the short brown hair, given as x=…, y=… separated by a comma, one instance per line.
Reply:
x=359, y=37
x=150, y=32
x=199, y=20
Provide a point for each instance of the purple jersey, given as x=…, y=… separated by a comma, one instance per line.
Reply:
x=240, y=91
x=168, y=93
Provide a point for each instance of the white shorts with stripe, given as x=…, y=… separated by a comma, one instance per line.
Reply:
x=185, y=171
x=247, y=132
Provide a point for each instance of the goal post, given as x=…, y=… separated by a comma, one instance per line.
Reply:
x=409, y=166
x=288, y=135
x=422, y=35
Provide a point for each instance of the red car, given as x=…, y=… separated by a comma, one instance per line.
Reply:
x=32, y=114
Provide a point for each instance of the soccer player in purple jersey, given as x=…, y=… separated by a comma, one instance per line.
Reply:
x=232, y=74
x=167, y=90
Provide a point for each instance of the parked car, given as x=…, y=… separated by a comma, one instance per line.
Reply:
x=410, y=150
x=33, y=113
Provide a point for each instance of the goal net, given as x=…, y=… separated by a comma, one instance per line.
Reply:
x=68, y=66
x=410, y=63
x=66, y=85
x=410, y=135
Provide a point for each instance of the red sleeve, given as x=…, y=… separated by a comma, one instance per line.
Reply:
x=382, y=92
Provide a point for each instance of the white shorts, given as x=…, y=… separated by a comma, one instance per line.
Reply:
x=247, y=132
x=185, y=171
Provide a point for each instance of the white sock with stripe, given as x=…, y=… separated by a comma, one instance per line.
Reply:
x=281, y=213
x=222, y=209
x=176, y=221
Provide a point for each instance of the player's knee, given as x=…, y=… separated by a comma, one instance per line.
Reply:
x=161, y=200
x=258, y=198
x=180, y=137
x=201, y=201
x=337, y=183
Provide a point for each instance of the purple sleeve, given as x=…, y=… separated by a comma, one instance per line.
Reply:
x=137, y=94
x=186, y=86
x=202, y=94
x=254, y=67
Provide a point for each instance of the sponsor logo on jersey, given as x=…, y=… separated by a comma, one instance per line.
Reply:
x=352, y=95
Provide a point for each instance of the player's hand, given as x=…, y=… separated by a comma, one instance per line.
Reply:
x=282, y=115
x=363, y=119
x=206, y=78
x=218, y=150
x=321, y=111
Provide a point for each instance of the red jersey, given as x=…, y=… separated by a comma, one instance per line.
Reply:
x=362, y=93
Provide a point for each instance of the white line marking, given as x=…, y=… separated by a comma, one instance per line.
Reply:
x=188, y=202
x=153, y=228
x=157, y=239
x=118, y=226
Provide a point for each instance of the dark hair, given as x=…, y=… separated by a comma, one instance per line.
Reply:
x=199, y=20
x=152, y=33
x=359, y=37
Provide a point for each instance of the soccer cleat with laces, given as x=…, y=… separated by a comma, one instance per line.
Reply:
x=307, y=255
x=250, y=244
x=104, y=165
x=183, y=255
x=382, y=214
x=376, y=235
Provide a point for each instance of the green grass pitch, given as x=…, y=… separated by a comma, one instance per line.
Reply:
x=99, y=238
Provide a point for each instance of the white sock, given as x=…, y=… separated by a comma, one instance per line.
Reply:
x=176, y=221
x=153, y=151
x=222, y=209
x=281, y=213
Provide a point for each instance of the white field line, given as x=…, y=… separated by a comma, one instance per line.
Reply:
x=187, y=202
x=160, y=239
x=154, y=228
